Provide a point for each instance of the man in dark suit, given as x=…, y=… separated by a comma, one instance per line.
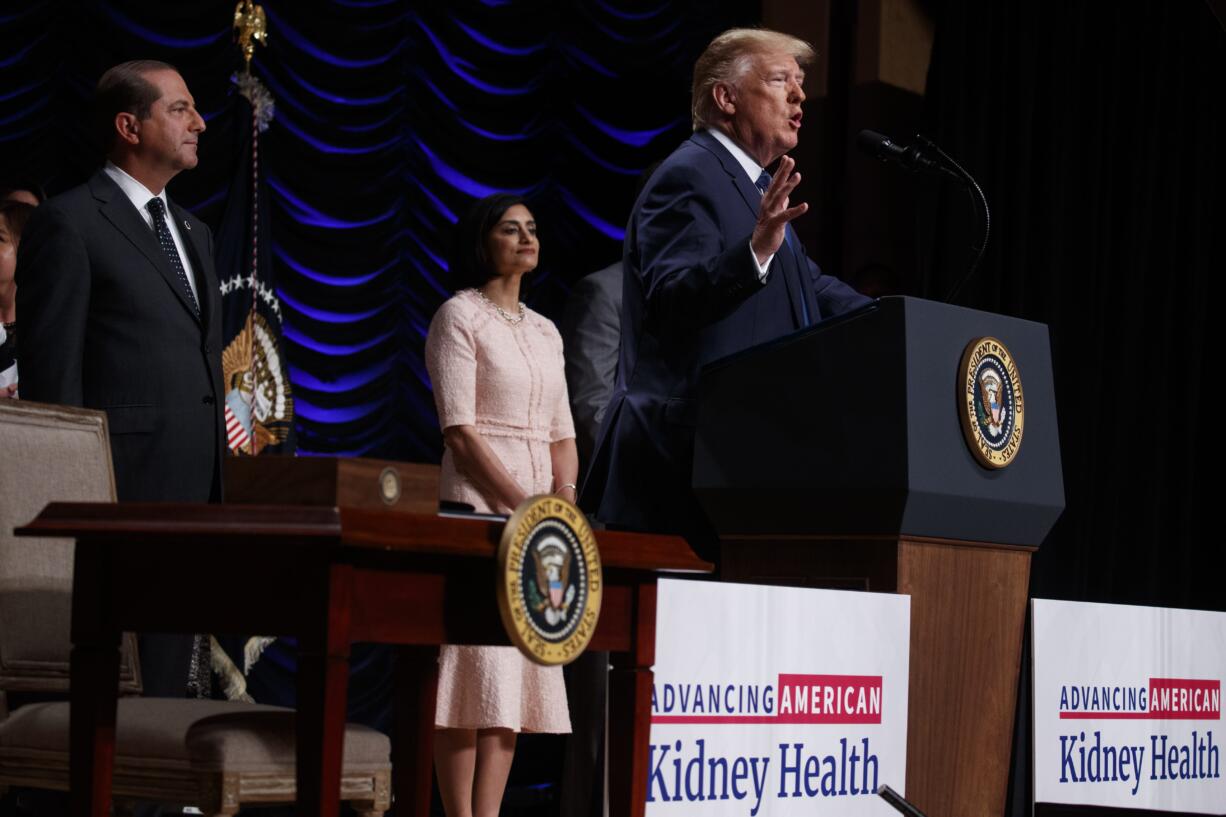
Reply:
x=711, y=268
x=591, y=326
x=591, y=329
x=121, y=311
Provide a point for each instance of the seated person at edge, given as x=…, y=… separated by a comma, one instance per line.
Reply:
x=500, y=389
x=13, y=217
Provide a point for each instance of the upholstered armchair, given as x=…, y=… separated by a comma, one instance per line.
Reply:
x=214, y=755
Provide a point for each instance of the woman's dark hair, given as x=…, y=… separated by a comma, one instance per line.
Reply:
x=15, y=215
x=469, y=265
x=12, y=183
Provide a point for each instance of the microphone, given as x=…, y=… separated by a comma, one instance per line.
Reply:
x=920, y=156
x=899, y=802
x=913, y=158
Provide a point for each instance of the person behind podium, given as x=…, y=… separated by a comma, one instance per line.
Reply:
x=500, y=389
x=711, y=267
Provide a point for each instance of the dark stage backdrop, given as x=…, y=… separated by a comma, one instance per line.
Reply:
x=391, y=117
x=1096, y=130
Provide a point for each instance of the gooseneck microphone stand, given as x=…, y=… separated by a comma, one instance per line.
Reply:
x=979, y=205
x=926, y=155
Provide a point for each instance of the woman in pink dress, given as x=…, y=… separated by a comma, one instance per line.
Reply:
x=497, y=372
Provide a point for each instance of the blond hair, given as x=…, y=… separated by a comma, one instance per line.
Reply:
x=728, y=58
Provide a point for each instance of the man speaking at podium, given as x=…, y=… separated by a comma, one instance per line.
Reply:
x=711, y=267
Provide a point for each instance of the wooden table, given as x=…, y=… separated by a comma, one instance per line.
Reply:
x=330, y=577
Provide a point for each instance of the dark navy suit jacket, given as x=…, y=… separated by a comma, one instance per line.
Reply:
x=691, y=295
x=106, y=324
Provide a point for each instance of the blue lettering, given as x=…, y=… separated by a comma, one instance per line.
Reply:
x=830, y=778
x=869, y=758
x=721, y=764
x=677, y=773
x=843, y=767
x=759, y=783
x=740, y=771
x=694, y=792
x=785, y=769
x=1158, y=758
x=812, y=772
x=1067, y=770
x=656, y=779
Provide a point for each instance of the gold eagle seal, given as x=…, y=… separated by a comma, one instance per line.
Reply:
x=549, y=580
x=990, y=402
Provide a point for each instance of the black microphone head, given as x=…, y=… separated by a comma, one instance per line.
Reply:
x=877, y=145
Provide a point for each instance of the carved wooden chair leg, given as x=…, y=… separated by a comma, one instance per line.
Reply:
x=368, y=808
x=381, y=785
x=219, y=794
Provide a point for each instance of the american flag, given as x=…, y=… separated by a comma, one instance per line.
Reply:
x=236, y=435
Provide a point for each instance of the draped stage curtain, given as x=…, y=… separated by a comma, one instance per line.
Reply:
x=1096, y=131
x=391, y=117
x=1094, y=128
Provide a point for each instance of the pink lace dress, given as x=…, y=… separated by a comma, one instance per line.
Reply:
x=507, y=380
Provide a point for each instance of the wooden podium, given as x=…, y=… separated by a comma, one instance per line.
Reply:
x=835, y=458
x=331, y=576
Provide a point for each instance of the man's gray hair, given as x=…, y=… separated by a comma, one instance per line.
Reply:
x=729, y=57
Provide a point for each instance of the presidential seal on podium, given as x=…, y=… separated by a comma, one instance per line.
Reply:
x=990, y=402
x=549, y=580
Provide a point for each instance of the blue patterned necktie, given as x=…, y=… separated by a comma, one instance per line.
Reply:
x=763, y=182
x=158, y=211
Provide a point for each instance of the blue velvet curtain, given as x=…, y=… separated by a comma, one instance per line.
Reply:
x=391, y=117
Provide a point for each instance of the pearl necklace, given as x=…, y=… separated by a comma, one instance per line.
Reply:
x=514, y=320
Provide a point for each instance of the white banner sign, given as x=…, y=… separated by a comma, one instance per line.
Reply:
x=777, y=701
x=1128, y=706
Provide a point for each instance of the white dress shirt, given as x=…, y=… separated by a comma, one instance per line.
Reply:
x=140, y=195
x=753, y=170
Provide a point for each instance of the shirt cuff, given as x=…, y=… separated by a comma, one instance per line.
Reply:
x=763, y=269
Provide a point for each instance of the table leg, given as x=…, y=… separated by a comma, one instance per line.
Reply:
x=630, y=683
x=92, y=727
x=323, y=686
x=94, y=687
x=414, y=698
x=629, y=739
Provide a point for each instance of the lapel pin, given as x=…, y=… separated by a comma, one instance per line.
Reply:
x=187, y=224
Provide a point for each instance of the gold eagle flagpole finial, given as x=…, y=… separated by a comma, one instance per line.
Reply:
x=252, y=27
